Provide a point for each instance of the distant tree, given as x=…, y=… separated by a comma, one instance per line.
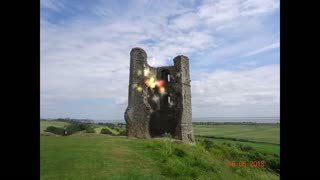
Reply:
x=55, y=130
x=90, y=130
x=105, y=131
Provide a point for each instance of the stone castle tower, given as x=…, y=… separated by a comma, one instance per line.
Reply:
x=159, y=99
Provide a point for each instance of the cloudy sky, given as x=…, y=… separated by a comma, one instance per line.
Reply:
x=233, y=47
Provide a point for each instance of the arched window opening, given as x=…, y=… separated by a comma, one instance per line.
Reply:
x=165, y=75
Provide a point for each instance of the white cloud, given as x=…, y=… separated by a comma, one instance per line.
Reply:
x=55, y=5
x=223, y=11
x=90, y=59
x=221, y=92
x=254, y=7
x=264, y=49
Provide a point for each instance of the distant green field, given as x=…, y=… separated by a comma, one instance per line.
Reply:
x=264, y=137
x=271, y=148
x=97, y=129
x=269, y=133
x=116, y=158
x=45, y=124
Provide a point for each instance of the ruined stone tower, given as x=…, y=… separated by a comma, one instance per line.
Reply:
x=159, y=99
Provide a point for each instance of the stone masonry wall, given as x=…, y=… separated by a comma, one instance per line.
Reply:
x=152, y=112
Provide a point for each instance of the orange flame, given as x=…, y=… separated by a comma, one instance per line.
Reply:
x=151, y=82
x=162, y=90
x=161, y=83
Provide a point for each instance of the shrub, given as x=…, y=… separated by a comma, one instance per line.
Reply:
x=123, y=133
x=245, y=147
x=235, y=153
x=207, y=143
x=167, y=135
x=273, y=163
x=254, y=156
x=179, y=163
x=105, y=131
x=167, y=149
x=110, y=125
x=77, y=126
x=179, y=152
x=90, y=130
x=55, y=130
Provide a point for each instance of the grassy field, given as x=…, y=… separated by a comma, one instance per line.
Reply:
x=90, y=156
x=268, y=133
x=45, y=124
x=110, y=157
x=264, y=137
x=61, y=124
x=97, y=129
x=262, y=147
x=94, y=158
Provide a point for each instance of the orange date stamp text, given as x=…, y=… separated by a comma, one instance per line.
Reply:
x=244, y=163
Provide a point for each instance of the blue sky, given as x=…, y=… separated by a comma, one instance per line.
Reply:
x=233, y=47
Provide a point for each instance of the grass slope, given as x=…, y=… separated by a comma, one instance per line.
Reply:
x=269, y=148
x=96, y=158
x=122, y=158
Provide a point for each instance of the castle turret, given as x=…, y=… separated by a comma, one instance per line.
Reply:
x=137, y=112
x=183, y=93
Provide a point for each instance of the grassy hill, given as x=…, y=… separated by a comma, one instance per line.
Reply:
x=110, y=157
x=95, y=156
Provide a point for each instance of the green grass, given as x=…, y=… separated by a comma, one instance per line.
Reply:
x=268, y=133
x=94, y=158
x=47, y=123
x=99, y=127
x=263, y=137
x=268, y=148
x=103, y=157
x=107, y=157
